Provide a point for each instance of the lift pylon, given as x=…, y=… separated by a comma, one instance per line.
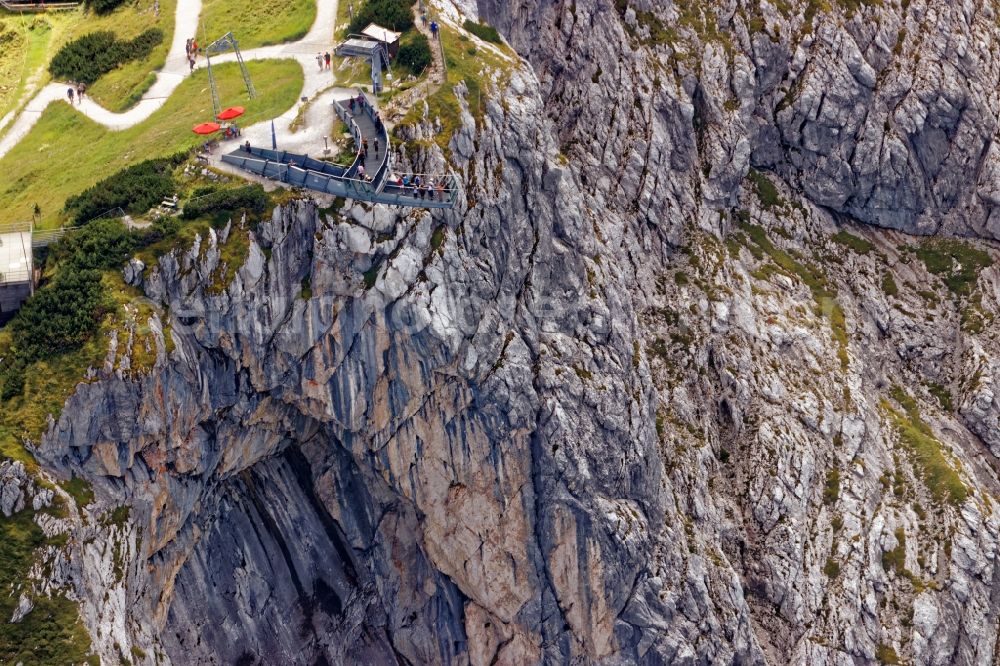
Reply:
x=222, y=45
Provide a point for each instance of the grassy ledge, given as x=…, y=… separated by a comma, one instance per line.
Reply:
x=943, y=481
x=823, y=293
x=468, y=63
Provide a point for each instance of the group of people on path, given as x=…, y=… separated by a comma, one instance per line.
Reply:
x=359, y=104
x=363, y=151
x=323, y=60
x=419, y=189
x=191, y=47
x=75, y=92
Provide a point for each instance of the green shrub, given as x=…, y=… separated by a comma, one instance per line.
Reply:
x=65, y=313
x=103, y=6
x=955, y=262
x=102, y=244
x=927, y=453
x=12, y=369
x=889, y=285
x=164, y=227
x=415, y=54
x=885, y=654
x=767, y=193
x=251, y=198
x=88, y=58
x=393, y=14
x=483, y=31
x=61, y=316
x=895, y=559
x=134, y=189
x=831, y=491
x=856, y=243
x=80, y=489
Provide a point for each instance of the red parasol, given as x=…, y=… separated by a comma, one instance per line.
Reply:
x=206, y=128
x=231, y=112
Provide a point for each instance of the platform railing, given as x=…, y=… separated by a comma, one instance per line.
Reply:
x=300, y=170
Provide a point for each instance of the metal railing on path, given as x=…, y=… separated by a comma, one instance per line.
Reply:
x=300, y=170
x=34, y=7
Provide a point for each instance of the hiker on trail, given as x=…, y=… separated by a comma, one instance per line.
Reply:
x=326, y=57
x=434, y=28
x=364, y=142
x=376, y=146
x=440, y=189
x=416, y=181
x=70, y=94
x=80, y=87
x=319, y=61
x=191, y=63
x=187, y=47
x=361, y=171
x=246, y=146
x=194, y=47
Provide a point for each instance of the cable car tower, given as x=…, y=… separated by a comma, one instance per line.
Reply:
x=222, y=45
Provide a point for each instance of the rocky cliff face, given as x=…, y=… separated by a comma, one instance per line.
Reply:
x=632, y=402
x=883, y=111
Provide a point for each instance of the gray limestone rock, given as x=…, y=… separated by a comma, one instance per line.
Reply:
x=623, y=404
x=14, y=485
x=24, y=606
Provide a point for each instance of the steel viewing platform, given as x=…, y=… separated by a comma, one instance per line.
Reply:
x=375, y=186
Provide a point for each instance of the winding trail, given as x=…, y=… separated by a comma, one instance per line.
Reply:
x=319, y=38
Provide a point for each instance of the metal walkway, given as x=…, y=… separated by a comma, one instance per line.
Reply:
x=376, y=185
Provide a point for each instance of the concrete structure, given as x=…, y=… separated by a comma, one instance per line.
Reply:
x=372, y=50
x=16, y=270
x=384, y=35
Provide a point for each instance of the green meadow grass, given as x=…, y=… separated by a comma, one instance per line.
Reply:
x=65, y=153
x=116, y=90
x=124, y=87
x=22, y=54
x=256, y=23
